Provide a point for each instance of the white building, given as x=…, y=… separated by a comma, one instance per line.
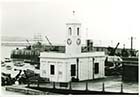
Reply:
x=63, y=67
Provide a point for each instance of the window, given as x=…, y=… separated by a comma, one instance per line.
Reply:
x=52, y=69
x=96, y=68
x=78, y=31
x=70, y=31
x=73, y=70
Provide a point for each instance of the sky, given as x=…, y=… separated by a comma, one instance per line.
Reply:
x=102, y=20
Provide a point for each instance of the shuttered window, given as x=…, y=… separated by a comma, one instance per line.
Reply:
x=96, y=68
x=73, y=70
x=52, y=69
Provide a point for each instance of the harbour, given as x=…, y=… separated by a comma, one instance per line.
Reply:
x=86, y=49
x=112, y=84
x=46, y=69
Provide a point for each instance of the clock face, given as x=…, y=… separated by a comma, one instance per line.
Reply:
x=69, y=42
x=78, y=41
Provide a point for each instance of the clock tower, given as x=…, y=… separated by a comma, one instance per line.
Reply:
x=73, y=36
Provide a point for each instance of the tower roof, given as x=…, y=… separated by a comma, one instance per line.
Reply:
x=73, y=19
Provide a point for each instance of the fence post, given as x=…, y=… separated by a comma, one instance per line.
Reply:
x=86, y=85
x=103, y=87
x=38, y=83
x=54, y=85
x=121, y=87
x=70, y=88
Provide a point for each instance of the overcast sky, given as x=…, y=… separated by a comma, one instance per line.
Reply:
x=113, y=20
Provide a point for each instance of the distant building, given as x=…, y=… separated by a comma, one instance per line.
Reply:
x=73, y=64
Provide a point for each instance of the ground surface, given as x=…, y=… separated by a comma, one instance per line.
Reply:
x=111, y=84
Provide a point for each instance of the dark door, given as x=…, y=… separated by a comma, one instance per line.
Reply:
x=73, y=69
x=96, y=68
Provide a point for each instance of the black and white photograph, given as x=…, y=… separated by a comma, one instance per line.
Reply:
x=69, y=47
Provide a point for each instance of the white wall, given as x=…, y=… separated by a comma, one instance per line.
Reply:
x=85, y=69
x=43, y=68
x=63, y=68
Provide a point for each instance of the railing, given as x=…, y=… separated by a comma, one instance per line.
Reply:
x=80, y=88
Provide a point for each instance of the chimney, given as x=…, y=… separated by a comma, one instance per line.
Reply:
x=89, y=45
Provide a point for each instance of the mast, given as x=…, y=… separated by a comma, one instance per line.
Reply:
x=131, y=43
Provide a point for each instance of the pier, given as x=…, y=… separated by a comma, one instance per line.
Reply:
x=106, y=86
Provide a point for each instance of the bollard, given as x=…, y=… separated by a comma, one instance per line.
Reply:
x=121, y=87
x=86, y=85
x=28, y=84
x=103, y=88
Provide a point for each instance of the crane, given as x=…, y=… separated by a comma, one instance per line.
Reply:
x=116, y=48
x=112, y=50
x=49, y=43
x=28, y=41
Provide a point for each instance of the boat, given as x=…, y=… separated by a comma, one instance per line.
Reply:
x=19, y=64
x=31, y=53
